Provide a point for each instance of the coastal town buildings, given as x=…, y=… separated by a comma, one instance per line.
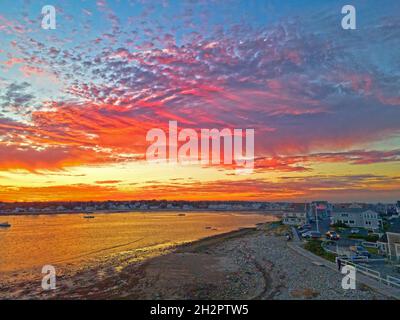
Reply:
x=357, y=217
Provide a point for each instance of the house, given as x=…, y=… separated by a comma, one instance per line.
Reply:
x=391, y=240
x=357, y=218
x=389, y=245
x=320, y=209
x=294, y=218
x=393, y=245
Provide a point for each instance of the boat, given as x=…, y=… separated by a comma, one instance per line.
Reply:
x=181, y=215
x=89, y=217
x=4, y=225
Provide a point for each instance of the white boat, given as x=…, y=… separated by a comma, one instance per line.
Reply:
x=4, y=225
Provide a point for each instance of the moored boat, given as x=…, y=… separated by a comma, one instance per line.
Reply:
x=4, y=225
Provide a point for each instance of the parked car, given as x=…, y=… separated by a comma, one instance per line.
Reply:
x=360, y=251
x=332, y=235
x=359, y=258
x=357, y=248
x=311, y=235
x=363, y=253
x=304, y=227
x=354, y=231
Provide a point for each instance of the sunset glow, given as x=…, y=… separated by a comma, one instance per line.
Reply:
x=77, y=102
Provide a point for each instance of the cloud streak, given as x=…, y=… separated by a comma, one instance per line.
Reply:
x=313, y=95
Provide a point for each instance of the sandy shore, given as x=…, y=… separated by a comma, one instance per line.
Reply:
x=253, y=263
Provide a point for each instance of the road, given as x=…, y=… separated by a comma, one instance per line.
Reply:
x=343, y=243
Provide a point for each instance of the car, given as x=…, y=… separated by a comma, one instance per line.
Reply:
x=354, y=231
x=358, y=258
x=356, y=248
x=304, y=227
x=360, y=251
x=304, y=234
x=332, y=235
x=363, y=253
x=311, y=235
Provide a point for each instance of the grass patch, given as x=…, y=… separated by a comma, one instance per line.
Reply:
x=356, y=236
x=369, y=238
x=386, y=226
x=372, y=238
x=314, y=246
x=276, y=224
x=339, y=226
x=373, y=250
x=277, y=228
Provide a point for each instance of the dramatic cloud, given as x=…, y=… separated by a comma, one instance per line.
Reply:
x=314, y=93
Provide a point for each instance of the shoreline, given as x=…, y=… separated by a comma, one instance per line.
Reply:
x=247, y=263
x=39, y=213
x=185, y=247
x=204, y=243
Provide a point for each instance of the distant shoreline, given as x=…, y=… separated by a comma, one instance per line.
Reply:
x=38, y=213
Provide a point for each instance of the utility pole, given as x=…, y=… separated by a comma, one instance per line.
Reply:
x=316, y=218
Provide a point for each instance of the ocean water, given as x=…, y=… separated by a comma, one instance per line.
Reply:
x=70, y=241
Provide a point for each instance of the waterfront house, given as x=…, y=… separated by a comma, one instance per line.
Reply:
x=294, y=218
x=393, y=245
x=357, y=218
x=389, y=245
x=391, y=240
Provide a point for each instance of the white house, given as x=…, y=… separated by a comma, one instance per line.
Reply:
x=294, y=218
x=357, y=218
x=389, y=244
x=393, y=245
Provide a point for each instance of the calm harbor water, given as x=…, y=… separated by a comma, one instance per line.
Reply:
x=70, y=240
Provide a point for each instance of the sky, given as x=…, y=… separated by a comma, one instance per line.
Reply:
x=77, y=102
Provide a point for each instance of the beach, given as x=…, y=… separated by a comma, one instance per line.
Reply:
x=251, y=263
